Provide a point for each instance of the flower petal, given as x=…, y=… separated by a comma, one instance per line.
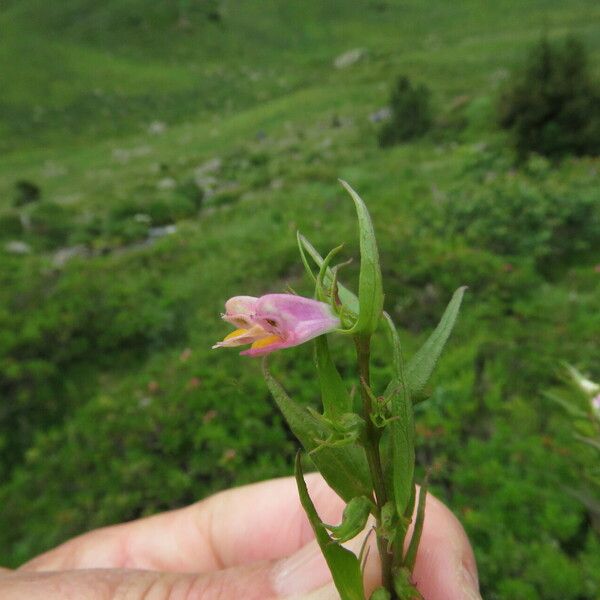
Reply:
x=291, y=316
x=240, y=337
x=265, y=346
x=239, y=310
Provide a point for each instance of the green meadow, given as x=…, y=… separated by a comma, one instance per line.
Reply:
x=172, y=151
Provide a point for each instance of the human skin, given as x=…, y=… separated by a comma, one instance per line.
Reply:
x=251, y=543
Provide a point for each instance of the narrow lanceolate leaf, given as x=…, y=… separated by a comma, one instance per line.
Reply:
x=402, y=428
x=421, y=365
x=307, y=266
x=589, y=441
x=343, y=564
x=370, y=287
x=413, y=546
x=569, y=407
x=348, y=299
x=325, y=273
x=345, y=469
x=334, y=395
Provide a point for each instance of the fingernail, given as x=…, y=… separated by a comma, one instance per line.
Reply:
x=304, y=571
x=469, y=584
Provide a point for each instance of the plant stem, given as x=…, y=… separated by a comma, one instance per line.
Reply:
x=371, y=443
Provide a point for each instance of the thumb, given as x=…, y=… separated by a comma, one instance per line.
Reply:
x=445, y=568
x=296, y=577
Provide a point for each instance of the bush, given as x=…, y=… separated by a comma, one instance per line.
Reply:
x=51, y=222
x=552, y=106
x=25, y=193
x=519, y=215
x=411, y=113
x=10, y=225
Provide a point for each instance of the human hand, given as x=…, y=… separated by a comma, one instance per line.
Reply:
x=252, y=542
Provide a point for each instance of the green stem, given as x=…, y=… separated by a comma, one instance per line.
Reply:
x=371, y=443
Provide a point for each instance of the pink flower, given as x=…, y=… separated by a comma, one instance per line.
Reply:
x=275, y=321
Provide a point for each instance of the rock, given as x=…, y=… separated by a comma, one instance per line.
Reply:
x=167, y=183
x=210, y=166
x=157, y=232
x=349, y=58
x=53, y=169
x=142, y=218
x=383, y=114
x=17, y=247
x=157, y=128
x=123, y=155
x=63, y=255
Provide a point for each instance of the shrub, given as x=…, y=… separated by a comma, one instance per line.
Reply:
x=411, y=113
x=25, y=193
x=51, y=223
x=517, y=215
x=10, y=225
x=552, y=106
x=190, y=190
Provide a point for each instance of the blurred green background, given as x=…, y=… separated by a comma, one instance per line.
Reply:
x=157, y=158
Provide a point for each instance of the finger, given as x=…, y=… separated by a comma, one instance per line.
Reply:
x=264, y=521
x=445, y=568
x=260, y=581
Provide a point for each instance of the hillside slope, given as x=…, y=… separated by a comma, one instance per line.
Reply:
x=177, y=153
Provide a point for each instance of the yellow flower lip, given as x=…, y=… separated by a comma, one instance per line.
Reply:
x=266, y=341
x=234, y=334
x=240, y=337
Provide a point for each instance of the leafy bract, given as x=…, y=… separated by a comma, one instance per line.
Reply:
x=421, y=365
x=370, y=287
x=334, y=395
x=348, y=299
x=343, y=564
x=345, y=469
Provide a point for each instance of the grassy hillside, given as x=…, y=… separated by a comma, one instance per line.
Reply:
x=234, y=126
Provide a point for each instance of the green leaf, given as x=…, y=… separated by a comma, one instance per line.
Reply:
x=334, y=395
x=345, y=469
x=411, y=552
x=348, y=298
x=370, y=287
x=402, y=428
x=587, y=440
x=326, y=273
x=568, y=406
x=354, y=519
x=421, y=365
x=343, y=564
x=301, y=240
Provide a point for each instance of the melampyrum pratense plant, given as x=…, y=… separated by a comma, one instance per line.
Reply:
x=367, y=457
x=580, y=400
